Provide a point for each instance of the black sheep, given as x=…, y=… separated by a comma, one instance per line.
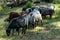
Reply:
x=16, y=25
x=11, y=27
x=47, y=11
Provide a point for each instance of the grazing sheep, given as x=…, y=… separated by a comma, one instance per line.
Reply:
x=15, y=24
x=23, y=22
x=12, y=26
x=11, y=16
x=37, y=16
x=47, y=11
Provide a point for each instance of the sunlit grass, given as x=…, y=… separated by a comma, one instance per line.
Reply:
x=57, y=24
x=37, y=28
x=0, y=8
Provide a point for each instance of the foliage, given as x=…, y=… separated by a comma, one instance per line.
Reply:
x=56, y=1
x=28, y=5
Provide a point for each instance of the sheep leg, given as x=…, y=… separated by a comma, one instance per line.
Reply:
x=12, y=31
x=8, y=32
x=41, y=23
x=17, y=30
x=24, y=30
x=33, y=25
x=50, y=16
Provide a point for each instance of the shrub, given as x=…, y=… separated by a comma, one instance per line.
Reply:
x=28, y=5
x=56, y=1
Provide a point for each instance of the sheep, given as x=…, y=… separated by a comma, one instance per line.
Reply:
x=14, y=15
x=36, y=15
x=16, y=23
x=11, y=16
x=23, y=22
x=49, y=10
x=12, y=26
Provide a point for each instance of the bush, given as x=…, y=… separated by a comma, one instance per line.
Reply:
x=28, y=5
x=56, y=1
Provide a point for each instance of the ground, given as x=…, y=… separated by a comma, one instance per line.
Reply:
x=49, y=31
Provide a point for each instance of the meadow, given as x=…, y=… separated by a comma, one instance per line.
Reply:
x=49, y=31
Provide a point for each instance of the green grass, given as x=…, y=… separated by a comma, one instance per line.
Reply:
x=7, y=10
x=49, y=31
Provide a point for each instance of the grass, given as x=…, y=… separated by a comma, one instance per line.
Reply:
x=7, y=10
x=49, y=31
